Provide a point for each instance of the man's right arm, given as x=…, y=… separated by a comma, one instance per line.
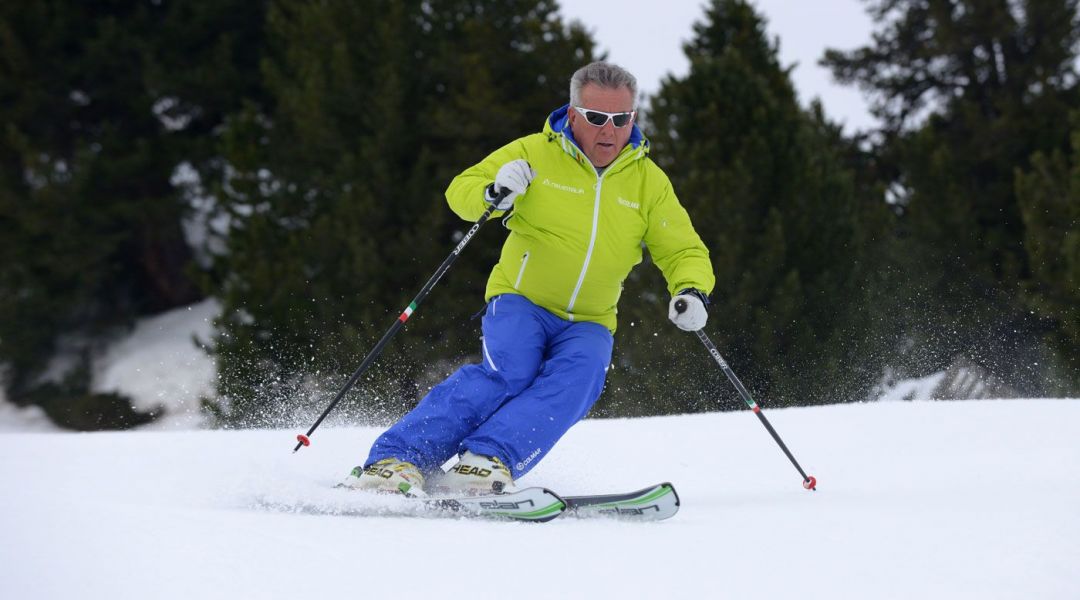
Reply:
x=465, y=195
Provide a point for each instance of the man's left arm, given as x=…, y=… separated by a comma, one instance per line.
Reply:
x=683, y=259
x=676, y=248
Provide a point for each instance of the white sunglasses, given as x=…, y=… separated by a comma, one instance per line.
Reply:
x=599, y=118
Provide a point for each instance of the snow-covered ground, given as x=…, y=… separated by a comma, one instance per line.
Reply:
x=161, y=366
x=30, y=418
x=916, y=499
x=950, y=500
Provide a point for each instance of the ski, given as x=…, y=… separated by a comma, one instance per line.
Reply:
x=532, y=504
x=535, y=504
x=654, y=503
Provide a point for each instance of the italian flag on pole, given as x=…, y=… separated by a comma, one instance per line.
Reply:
x=408, y=312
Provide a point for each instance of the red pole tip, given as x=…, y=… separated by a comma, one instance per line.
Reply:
x=303, y=439
x=810, y=483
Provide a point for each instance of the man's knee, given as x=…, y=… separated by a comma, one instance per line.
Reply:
x=517, y=380
x=583, y=366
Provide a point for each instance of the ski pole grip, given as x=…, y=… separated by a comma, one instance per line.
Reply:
x=680, y=306
x=495, y=197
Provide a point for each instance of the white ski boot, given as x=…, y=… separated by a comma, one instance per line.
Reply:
x=476, y=475
x=388, y=476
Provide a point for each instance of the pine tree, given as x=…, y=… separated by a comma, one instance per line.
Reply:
x=99, y=104
x=769, y=192
x=968, y=92
x=335, y=192
x=1049, y=197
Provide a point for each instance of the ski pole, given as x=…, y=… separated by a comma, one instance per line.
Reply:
x=304, y=439
x=809, y=482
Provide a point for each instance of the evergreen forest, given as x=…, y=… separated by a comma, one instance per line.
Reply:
x=288, y=158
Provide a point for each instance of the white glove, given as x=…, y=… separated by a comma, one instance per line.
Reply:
x=515, y=176
x=693, y=316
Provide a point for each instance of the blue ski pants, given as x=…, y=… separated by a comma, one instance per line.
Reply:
x=539, y=375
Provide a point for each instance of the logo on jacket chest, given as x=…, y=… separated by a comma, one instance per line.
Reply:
x=562, y=187
x=627, y=203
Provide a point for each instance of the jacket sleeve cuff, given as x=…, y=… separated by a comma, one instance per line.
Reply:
x=700, y=295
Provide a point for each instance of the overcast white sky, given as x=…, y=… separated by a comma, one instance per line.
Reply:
x=647, y=38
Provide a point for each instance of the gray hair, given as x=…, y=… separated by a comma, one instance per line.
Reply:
x=604, y=75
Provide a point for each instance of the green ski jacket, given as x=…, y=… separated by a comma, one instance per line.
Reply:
x=576, y=233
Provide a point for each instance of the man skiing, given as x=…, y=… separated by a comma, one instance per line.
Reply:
x=585, y=197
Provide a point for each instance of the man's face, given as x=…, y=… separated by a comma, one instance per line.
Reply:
x=602, y=144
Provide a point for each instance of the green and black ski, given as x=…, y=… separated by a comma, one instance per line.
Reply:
x=533, y=504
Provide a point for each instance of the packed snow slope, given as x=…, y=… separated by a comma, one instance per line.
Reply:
x=915, y=500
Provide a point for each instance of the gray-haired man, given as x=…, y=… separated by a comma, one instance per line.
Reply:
x=585, y=196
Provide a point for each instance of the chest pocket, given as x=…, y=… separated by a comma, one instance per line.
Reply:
x=559, y=206
x=622, y=219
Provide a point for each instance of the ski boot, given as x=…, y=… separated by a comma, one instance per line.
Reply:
x=388, y=476
x=476, y=475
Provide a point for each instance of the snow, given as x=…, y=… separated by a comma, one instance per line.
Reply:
x=161, y=367
x=916, y=499
x=30, y=418
x=970, y=499
x=920, y=388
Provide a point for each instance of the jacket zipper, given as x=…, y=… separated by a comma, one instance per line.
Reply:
x=592, y=238
x=521, y=271
x=588, y=253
